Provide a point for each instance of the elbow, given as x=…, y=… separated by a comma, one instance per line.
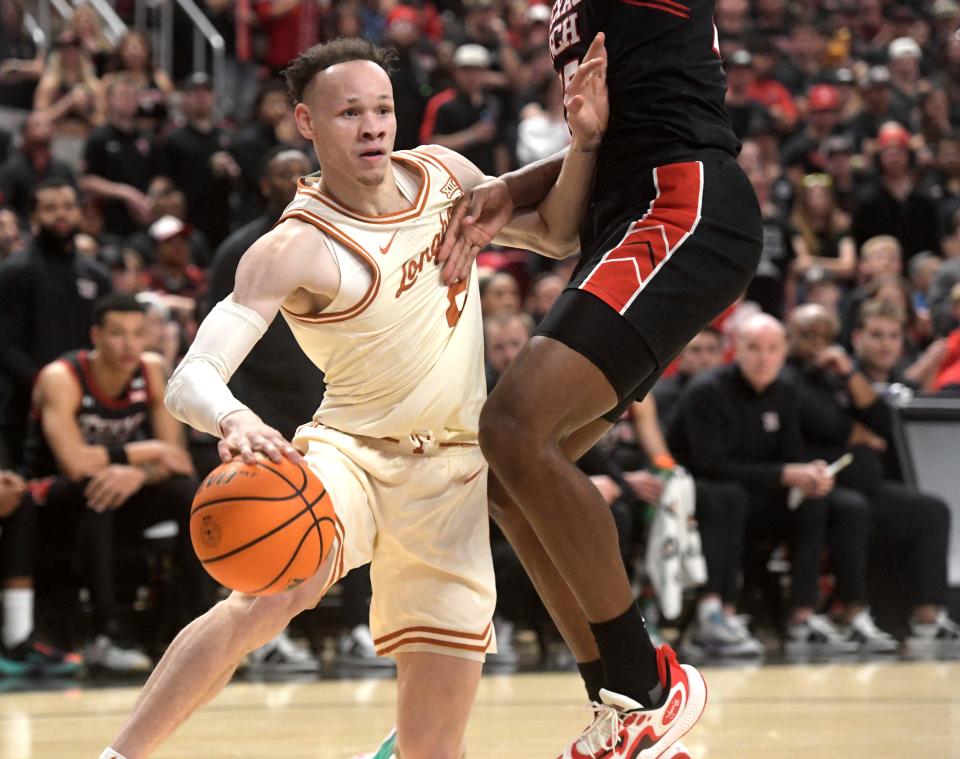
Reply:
x=173, y=396
x=560, y=248
x=567, y=248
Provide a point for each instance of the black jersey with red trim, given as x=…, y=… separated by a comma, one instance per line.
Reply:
x=665, y=78
x=102, y=420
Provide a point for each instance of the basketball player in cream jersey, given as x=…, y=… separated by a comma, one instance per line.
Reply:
x=352, y=266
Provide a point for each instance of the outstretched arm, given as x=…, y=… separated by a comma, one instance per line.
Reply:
x=558, y=186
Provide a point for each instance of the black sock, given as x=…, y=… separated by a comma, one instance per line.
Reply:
x=629, y=658
x=593, y=678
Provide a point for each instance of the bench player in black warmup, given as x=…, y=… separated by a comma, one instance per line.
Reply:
x=672, y=237
x=107, y=461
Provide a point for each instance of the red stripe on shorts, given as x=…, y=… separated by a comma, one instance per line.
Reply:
x=649, y=242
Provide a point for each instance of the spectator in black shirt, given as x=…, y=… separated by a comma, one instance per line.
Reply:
x=741, y=424
x=878, y=344
x=838, y=154
x=33, y=163
x=504, y=334
x=279, y=381
x=46, y=302
x=742, y=108
x=702, y=353
x=196, y=158
x=905, y=55
x=411, y=80
x=822, y=239
x=21, y=64
x=251, y=145
x=769, y=286
x=894, y=204
x=465, y=118
x=840, y=412
x=801, y=153
x=938, y=297
x=116, y=163
x=11, y=236
x=877, y=107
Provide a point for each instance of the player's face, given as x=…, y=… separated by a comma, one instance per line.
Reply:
x=809, y=339
x=504, y=343
x=279, y=183
x=123, y=100
x=121, y=340
x=879, y=342
x=546, y=294
x=884, y=259
x=702, y=353
x=761, y=353
x=501, y=296
x=57, y=212
x=273, y=108
x=348, y=115
x=197, y=103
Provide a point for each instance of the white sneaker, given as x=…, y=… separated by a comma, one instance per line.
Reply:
x=939, y=637
x=282, y=655
x=356, y=649
x=719, y=635
x=105, y=653
x=817, y=635
x=872, y=640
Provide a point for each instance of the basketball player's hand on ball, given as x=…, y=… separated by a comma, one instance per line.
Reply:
x=111, y=487
x=245, y=434
x=478, y=216
x=585, y=98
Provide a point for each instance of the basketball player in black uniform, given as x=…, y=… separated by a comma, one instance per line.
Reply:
x=107, y=460
x=672, y=236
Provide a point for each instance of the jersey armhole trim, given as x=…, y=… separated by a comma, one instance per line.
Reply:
x=321, y=317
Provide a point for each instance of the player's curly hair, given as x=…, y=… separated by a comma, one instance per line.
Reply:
x=309, y=63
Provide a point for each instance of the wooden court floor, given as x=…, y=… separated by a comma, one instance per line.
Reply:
x=860, y=711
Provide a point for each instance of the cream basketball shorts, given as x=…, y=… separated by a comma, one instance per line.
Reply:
x=421, y=521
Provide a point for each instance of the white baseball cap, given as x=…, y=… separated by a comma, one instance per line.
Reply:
x=472, y=56
x=904, y=47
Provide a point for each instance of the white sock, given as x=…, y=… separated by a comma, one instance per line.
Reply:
x=17, y=615
x=109, y=753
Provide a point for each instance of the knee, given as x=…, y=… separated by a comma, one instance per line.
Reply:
x=850, y=507
x=813, y=513
x=937, y=514
x=502, y=432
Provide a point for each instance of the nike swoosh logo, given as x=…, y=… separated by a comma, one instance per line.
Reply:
x=386, y=249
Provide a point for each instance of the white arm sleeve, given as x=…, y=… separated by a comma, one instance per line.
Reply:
x=197, y=393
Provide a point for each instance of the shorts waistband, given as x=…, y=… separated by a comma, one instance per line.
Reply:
x=418, y=443
x=425, y=443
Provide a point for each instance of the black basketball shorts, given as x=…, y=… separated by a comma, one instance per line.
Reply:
x=660, y=260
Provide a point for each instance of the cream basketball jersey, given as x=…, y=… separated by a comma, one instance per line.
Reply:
x=402, y=352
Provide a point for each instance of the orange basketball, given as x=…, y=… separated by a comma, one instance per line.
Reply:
x=262, y=528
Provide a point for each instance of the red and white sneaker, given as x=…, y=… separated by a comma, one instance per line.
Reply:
x=623, y=729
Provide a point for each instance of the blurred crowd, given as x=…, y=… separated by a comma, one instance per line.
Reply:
x=119, y=177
